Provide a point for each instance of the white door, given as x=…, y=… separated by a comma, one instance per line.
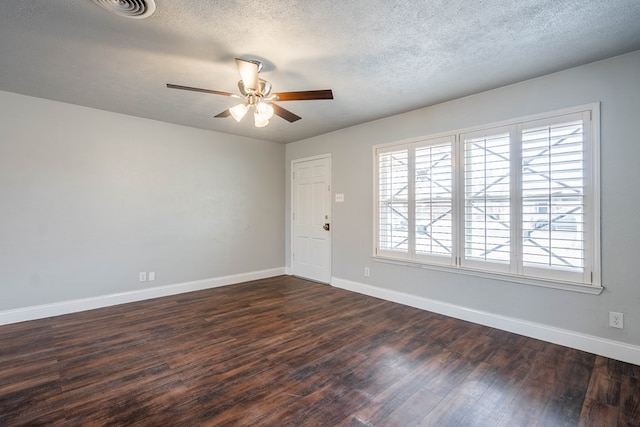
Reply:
x=311, y=218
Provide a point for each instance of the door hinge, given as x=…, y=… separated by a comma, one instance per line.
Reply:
x=294, y=216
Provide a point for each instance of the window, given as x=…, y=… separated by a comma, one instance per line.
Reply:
x=487, y=199
x=434, y=199
x=553, y=197
x=415, y=192
x=519, y=200
x=393, y=196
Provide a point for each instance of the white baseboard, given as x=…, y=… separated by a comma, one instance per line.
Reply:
x=604, y=347
x=73, y=306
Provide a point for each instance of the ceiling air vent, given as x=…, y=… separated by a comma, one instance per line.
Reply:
x=137, y=9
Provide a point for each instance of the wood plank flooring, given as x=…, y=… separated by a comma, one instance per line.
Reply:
x=289, y=352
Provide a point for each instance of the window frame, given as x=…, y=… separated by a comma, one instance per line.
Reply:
x=410, y=146
x=389, y=254
x=587, y=281
x=425, y=257
x=463, y=261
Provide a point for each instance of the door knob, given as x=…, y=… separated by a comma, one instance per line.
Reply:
x=326, y=226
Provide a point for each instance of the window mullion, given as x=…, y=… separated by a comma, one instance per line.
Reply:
x=591, y=199
x=458, y=201
x=515, y=132
x=411, y=200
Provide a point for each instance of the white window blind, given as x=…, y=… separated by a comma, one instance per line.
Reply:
x=487, y=198
x=520, y=199
x=553, y=196
x=434, y=199
x=393, y=201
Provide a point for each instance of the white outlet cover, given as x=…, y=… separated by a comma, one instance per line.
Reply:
x=339, y=198
x=152, y=275
x=616, y=320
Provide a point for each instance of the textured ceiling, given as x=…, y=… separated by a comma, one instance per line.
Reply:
x=380, y=57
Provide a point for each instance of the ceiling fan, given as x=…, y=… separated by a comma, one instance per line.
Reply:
x=256, y=93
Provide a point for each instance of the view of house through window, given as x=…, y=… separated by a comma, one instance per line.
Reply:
x=553, y=195
x=394, y=201
x=434, y=199
x=487, y=197
x=518, y=199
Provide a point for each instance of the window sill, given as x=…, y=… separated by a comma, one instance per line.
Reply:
x=565, y=286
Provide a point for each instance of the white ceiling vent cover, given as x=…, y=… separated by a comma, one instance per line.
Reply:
x=137, y=9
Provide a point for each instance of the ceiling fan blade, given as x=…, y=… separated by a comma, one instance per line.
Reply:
x=249, y=73
x=285, y=114
x=225, y=113
x=197, y=89
x=304, y=95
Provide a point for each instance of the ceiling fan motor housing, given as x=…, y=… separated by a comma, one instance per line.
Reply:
x=136, y=9
x=264, y=88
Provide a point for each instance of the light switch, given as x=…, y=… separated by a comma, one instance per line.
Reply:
x=339, y=198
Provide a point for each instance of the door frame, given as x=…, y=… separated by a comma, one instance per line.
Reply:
x=292, y=204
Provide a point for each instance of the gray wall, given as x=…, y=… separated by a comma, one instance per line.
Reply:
x=90, y=198
x=616, y=84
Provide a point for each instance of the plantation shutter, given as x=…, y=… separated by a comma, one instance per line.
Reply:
x=553, y=196
x=487, y=200
x=434, y=200
x=393, y=202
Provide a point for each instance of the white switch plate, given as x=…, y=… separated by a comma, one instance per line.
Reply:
x=151, y=276
x=142, y=277
x=339, y=198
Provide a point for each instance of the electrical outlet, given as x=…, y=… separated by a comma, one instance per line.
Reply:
x=367, y=273
x=142, y=277
x=151, y=276
x=616, y=320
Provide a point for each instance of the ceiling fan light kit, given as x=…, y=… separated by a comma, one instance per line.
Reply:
x=263, y=111
x=256, y=93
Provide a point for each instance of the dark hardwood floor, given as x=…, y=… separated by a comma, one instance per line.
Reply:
x=288, y=352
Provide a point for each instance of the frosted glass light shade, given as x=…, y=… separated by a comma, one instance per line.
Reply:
x=265, y=110
x=260, y=121
x=239, y=111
